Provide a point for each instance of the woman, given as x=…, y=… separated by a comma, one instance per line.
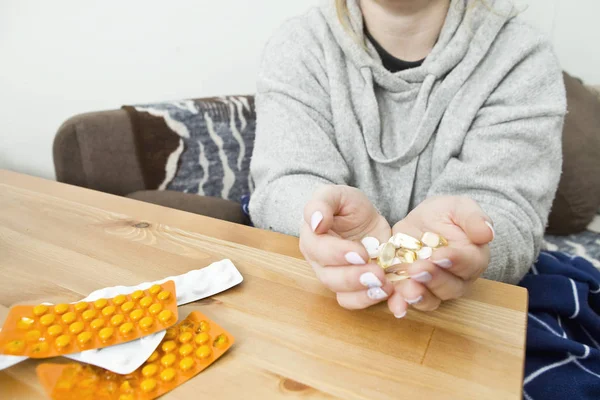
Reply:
x=431, y=115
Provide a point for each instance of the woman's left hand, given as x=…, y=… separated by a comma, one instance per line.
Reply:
x=452, y=269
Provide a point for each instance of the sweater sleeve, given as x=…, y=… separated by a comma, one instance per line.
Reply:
x=511, y=159
x=295, y=150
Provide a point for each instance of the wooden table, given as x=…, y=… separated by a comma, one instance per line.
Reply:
x=60, y=242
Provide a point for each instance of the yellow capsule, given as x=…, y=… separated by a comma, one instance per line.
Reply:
x=126, y=307
x=168, y=359
x=221, y=341
x=14, y=347
x=168, y=346
x=81, y=306
x=84, y=338
x=47, y=319
x=153, y=356
x=406, y=256
x=149, y=370
x=165, y=316
x=386, y=255
x=148, y=385
x=89, y=315
x=106, y=334
x=171, y=333
x=33, y=336
x=164, y=295
x=55, y=330
x=155, y=308
x=146, y=301
x=186, y=349
x=146, y=323
x=100, y=303
x=126, y=387
x=40, y=310
x=186, y=363
x=154, y=289
x=62, y=341
x=97, y=324
x=41, y=347
x=25, y=323
x=61, y=308
x=126, y=328
x=126, y=396
x=202, y=338
x=203, y=327
x=137, y=294
x=69, y=317
x=203, y=352
x=136, y=315
x=108, y=311
x=76, y=327
x=117, y=320
x=167, y=375
x=185, y=337
x=119, y=299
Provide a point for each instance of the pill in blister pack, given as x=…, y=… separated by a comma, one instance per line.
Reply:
x=127, y=357
x=9, y=361
x=44, y=330
x=186, y=350
x=191, y=286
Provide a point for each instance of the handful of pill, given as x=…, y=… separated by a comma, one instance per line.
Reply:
x=187, y=349
x=44, y=331
x=402, y=249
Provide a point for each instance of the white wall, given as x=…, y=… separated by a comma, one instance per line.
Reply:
x=63, y=57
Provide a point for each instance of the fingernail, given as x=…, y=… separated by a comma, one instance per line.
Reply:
x=492, y=229
x=423, y=277
x=370, y=280
x=354, y=258
x=376, y=293
x=315, y=220
x=444, y=263
x=402, y=315
x=414, y=301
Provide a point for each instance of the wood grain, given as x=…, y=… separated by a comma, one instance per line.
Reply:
x=59, y=242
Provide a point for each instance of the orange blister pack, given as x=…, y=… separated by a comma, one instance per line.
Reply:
x=54, y=330
x=186, y=350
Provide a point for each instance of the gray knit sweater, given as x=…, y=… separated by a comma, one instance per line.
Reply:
x=482, y=117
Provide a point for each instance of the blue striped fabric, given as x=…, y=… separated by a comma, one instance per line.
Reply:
x=563, y=335
x=217, y=140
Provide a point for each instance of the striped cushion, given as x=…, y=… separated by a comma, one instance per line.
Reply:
x=200, y=146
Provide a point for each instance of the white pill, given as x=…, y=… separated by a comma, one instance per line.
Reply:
x=396, y=261
x=405, y=241
x=371, y=245
x=424, y=253
x=431, y=239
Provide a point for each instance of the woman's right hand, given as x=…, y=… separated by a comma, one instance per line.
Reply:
x=335, y=220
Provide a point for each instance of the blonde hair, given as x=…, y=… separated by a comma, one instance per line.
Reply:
x=344, y=16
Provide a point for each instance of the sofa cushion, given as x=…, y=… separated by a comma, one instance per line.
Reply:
x=209, y=206
x=578, y=195
x=200, y=146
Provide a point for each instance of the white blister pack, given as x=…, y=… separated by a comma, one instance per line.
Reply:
x=126, y=357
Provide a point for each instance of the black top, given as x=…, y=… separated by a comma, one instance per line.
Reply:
x=390, y=62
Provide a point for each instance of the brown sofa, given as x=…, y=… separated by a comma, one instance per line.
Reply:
x=97, y=150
